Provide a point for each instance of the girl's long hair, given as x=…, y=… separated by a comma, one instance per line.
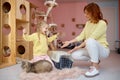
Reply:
x=40, y=25
x=95, y=12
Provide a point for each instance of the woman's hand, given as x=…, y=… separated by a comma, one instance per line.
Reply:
x=58, y=34
x=77, y=47
x=74, y=49
x=66, y=43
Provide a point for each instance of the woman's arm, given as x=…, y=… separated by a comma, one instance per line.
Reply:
x=66, y=43
x=77, y=47
x=78, y=38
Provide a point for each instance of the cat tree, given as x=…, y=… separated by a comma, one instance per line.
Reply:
x=7, y=33
x=12, y=44
x=52, y=26
x=23, y=21
x=50, y=4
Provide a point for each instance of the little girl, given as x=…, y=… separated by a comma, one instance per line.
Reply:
x=40, y=41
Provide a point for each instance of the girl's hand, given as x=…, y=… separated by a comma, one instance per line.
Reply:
x=74, y=49
x=24, y=31
x=65, y=44
x=58, y=34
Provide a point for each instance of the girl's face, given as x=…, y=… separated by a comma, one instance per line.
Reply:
x=44, y=29
x=88, y=15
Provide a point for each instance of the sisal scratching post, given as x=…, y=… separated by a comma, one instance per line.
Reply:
x=50, y=4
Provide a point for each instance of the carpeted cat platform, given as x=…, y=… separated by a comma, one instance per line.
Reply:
x=55, y=74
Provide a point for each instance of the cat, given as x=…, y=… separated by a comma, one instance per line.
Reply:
x=7, y=51
x=37, y=67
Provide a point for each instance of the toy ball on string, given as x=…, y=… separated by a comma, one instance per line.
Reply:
x=50, y=3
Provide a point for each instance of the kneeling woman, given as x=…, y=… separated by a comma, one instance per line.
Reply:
x=95, y=45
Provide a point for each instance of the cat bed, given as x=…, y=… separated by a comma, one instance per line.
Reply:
x=61, y=59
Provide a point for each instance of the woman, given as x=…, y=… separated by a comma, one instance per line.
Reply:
x=94, y=45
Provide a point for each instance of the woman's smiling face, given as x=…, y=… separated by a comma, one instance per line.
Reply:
x=87, y=15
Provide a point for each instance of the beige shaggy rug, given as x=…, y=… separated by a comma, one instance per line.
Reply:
x=55, y=74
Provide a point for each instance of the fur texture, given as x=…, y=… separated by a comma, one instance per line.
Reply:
x=55, y=74
x=37, y=67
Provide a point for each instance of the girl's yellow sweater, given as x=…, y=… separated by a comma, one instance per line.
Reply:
x=40, y=45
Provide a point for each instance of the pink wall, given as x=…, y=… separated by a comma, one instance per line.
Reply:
x=64, y=13
x=111, y=30
x=40, y=7
x=37, y=3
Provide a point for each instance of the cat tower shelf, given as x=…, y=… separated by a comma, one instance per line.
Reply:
x=23, y=21
x=24, y=50
x=11, y=26
x=7, y=33
x=22, y=10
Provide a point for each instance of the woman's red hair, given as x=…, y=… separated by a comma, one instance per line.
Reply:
x=95, y=12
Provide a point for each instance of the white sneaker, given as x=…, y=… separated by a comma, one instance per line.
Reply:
x=92, y=72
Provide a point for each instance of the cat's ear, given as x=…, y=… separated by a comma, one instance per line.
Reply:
x=24, y=64
x=28, y=66
x=29, y=63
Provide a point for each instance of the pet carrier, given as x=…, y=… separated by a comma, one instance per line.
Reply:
x=64, y=62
